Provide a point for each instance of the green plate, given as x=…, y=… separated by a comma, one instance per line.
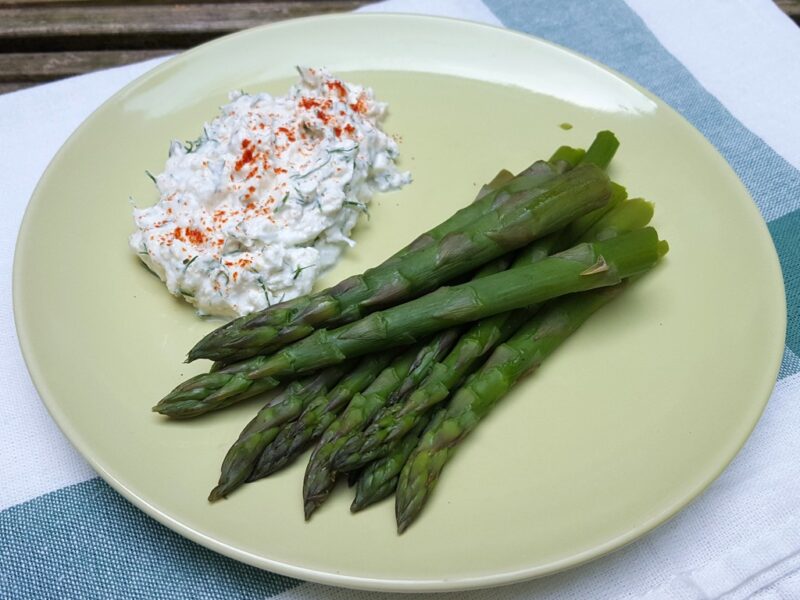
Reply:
x=628, y=422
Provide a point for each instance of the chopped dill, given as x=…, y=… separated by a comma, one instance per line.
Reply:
x=358, y=206
x=342, y=150
x=146, y=266
x=151, y=176
x=192, y=145
x=264, y=289
x=314, y=170
x=300, y=269
x=189, y=261
x=282, y=203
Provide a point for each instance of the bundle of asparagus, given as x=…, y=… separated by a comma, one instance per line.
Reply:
x=388, y=371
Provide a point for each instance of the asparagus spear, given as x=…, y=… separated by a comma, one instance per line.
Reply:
x=387, y=428
x=503, y=177
x=523, y=352
x=212, y=391
x=295, y=437
x=516, y=215
x=568, y=157
x=602, y=150
x=242, y=456
x=321, y=472
x=319, y=477
x=583, y=267
x=448, y=337
x=234, y=335
x=424, y=358
x=393, y=422
x=378, y=480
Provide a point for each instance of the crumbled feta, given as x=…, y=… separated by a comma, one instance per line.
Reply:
x=252, y=212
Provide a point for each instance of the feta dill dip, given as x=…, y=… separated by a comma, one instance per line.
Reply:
x=264, y=201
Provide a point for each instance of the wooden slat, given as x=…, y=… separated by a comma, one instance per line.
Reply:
x=33, y=3
x=35, y=67
x=43, y=40
x=791, y=8
x=76, y=20
x=13, y=86
x=86, y=26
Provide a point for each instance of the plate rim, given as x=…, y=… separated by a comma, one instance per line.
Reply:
x=335, y=578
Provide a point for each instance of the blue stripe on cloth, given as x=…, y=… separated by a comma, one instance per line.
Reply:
x=610, y=32
x=790, y=364
x=86, y=541
x=786, y=233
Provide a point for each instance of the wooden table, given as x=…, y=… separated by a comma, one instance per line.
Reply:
x=44, y=40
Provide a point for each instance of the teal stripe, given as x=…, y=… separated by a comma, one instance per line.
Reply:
x=786, y=234
x=610, y=32
x=85, y=541
x=790, y=364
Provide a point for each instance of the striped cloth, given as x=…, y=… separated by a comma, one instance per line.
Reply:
x=729, y=66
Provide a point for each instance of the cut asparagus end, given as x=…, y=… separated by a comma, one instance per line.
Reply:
x=568, y=154
x=602, y=150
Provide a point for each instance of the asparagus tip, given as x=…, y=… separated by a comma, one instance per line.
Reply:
x=403, y=515
x=402, y=524
x=218, y=493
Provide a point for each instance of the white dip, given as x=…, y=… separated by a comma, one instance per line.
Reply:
x=264, y=201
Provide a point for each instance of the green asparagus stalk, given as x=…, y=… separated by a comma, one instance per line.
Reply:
x=520, y=354
x=241, y=458
x=583, y=267
x=488, y=199
x=602, y=149
x=448, y=338
x=516, y=215
x=574, y=270
x=632, y=214
x=213, y=391
x=503, y=177
x=320, y=477
x=569, y=156
x=380, y=437
x=578, y=229
x=424, y=357
x=395, y=421
x=296, y=436
x=378, y=480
